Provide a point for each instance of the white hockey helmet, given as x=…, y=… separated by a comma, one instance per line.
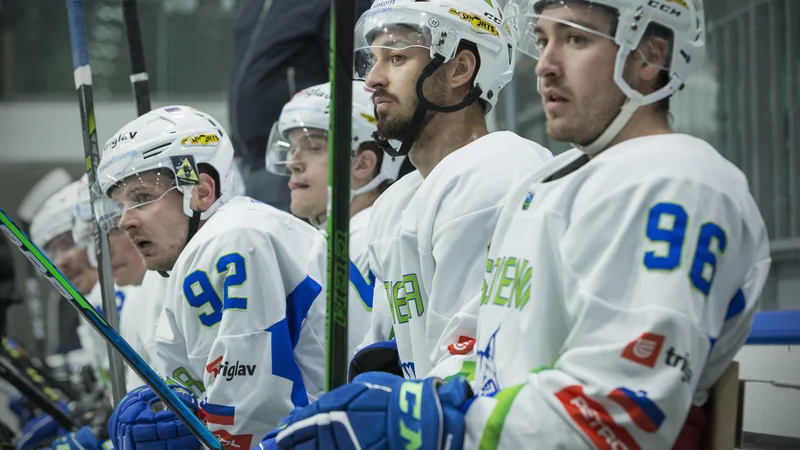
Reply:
x=55, y=215
x=310, y=109
x=174, y=139
x=82, y=221
x=441, y=25
x=683, y=20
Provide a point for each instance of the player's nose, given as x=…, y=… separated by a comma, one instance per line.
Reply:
x=294, y=165
x=128, y=220
x=376, y=77
x=548, y=64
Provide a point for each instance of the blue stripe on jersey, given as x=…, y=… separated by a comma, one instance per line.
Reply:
x=736, y=305
x=364, y=287
x=286, y=333
x=218, y=410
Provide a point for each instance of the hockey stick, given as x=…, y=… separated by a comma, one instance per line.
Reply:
x=341, y=66
x=39, y=375
x=34, y=393
x=139, y=78
x=65, y=288
x=83, y=83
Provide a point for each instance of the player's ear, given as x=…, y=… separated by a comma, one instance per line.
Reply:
x=203, y=194
x=364, y=165
x=654, y=51
x=464, y=66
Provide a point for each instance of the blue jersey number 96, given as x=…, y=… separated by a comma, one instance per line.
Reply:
x=199, y=291
x=667, y=223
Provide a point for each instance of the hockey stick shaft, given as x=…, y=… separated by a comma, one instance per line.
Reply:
x=139, y=77
x=65, y=288
x=34, y=393
x=339, y=137
x=39, y=375
x=83, y=84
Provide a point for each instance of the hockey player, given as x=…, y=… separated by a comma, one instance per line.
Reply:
x=239, y=314
x=437, y=68
x=622, y=277
x=139, y=316
x=51, y=230
x=298, y=148
x=127, y=269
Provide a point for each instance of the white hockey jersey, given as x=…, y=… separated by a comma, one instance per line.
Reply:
x=245, y=313
x=427, y=242
x=362, y=282
x=617, y=291
x=91, y=341
x=137, y=325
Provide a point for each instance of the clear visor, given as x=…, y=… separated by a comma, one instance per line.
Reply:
x=540, y=24
x=560, y=26
x=134, y=192
x=381, y=32
x=299, y=145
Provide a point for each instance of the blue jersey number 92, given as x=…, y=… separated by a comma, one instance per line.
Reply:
x=199, y=291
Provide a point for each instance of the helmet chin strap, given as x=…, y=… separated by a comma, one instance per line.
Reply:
x=423, y=107
x=623, y=117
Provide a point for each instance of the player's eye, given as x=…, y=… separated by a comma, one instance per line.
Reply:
x=397, y=58
x=576, y=39
x=143, y=198
x=540, y=43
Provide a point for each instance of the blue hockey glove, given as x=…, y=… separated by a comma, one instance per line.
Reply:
x=82, y=439
x=379, y=410
x=21, y=406
x=141, y=421
x=40, y=431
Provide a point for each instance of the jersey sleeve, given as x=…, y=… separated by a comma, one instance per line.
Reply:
x=456, y=246
x=361, y=299
x=241, y=313
x=661, y=283
x=128, y=329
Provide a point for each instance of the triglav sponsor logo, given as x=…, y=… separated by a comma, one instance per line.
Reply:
x=230, y=371
x=680, y=362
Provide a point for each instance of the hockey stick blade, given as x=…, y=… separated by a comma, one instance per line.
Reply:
x=65, y=288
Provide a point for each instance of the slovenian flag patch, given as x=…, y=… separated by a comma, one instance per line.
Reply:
x=218, y=414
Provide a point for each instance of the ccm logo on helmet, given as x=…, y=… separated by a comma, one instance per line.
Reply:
x=669, y=9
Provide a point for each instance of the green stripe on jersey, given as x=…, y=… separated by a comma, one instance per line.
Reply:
x=494, y=426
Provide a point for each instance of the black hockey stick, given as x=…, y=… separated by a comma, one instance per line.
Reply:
x=65, y=288
x=83, y=84
x=34, y=393
x=339, y=135
x=39, y=373
x=139, y=78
